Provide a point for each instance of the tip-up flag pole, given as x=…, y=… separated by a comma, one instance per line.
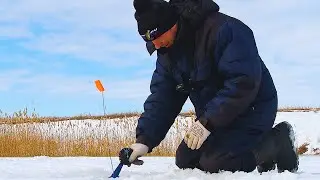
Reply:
x=101, y=89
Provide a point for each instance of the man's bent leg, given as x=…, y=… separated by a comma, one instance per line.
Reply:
x=230, y=150
x=187, y=158
x=221, y=161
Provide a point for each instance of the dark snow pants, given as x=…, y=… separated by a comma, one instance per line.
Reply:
x=222, y=151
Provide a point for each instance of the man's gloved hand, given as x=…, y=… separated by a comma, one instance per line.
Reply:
x=138, y=150
x=196, y=135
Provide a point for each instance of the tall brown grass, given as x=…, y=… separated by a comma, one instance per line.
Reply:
x=27, y=136
x=299, y=109
x=24, y=134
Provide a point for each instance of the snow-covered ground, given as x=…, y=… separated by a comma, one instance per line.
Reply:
x=85, y=168
x=306, y=126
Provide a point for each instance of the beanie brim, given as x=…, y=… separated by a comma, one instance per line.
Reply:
x=155, y=21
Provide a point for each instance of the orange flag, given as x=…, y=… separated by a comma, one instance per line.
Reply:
x=99, y=85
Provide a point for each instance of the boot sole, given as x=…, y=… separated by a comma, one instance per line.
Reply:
x=289, y=161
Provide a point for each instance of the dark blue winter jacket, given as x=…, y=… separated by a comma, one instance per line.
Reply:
x=222, y=74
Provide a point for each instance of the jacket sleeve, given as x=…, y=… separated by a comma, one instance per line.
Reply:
x=239, y=65
x=160, y=108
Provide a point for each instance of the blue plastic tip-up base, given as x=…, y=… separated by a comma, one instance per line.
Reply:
x=117, y=171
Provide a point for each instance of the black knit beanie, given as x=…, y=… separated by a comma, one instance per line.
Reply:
x=154, y=17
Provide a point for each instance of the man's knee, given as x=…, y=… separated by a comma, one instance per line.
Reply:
x=186, y=158
x=211, y=164
x=182, y=164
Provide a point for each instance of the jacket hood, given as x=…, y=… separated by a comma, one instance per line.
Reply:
x=194, y=12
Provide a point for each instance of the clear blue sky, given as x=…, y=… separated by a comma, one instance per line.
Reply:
x=52, y=51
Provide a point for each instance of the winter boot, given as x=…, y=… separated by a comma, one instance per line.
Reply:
x=277, y=147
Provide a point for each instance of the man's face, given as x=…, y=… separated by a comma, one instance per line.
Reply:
x=166, y=40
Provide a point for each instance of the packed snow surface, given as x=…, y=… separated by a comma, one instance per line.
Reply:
x=155, y=168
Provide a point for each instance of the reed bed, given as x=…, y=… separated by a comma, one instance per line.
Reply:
x=24, y=134
x=79, y=138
